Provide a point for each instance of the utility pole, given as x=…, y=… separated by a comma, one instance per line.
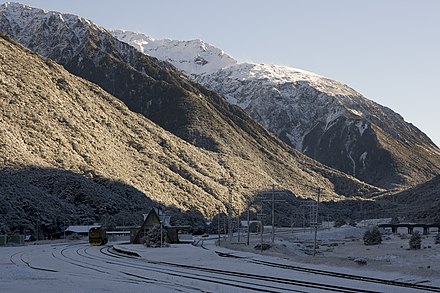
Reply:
x=261, y=217
x=238, y=225
x=218, y=225
x=273, y=209
x=229, y=215
x=248, y=226
x=316, y=222
x=273, y=213
x=225, y=226
x=161, y=216
x=161, y=235
x=304, y=217
x=312, y=205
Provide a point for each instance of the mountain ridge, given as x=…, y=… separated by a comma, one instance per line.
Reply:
x=326, y=120
x=72, y=153
x=194, y=114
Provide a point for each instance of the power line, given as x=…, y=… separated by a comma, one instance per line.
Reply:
x=273, y=207
x=316, y=222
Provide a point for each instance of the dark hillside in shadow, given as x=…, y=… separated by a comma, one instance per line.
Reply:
x=52, y=198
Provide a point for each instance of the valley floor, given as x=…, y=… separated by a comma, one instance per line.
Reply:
x=343, y=247
x=75, y=266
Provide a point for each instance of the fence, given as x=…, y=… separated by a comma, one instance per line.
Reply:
x=11, y=240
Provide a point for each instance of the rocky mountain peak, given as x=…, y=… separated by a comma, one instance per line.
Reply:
x=40, y=29
x=195, y=57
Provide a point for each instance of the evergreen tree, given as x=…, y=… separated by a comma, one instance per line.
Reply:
x=339, y=222
x=394, y=220
x=352, y=223
x=153, y=237
x=373, y=237
x=415, y=242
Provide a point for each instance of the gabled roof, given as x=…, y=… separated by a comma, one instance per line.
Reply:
x=153, y=214
x=159, y=215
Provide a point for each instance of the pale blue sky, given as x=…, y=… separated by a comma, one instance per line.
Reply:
x=389, y=50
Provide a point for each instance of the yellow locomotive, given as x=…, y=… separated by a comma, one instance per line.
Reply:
x=97, y=236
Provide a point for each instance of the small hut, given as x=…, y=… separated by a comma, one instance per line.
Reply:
x=155, y=218
x=254, y=226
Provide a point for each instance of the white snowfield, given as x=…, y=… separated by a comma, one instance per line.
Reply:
x=79, y=267
x=194, y=57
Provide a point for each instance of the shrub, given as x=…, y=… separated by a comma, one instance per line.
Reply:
x=352, y=223
x=339, y=222
x=360, y=260
x=437, y=238
x=415, y=242
x=394, y=220
x=152, y=239
x=263, y=246
x=373, y=237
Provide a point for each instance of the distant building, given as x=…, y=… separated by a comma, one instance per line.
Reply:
x=118, y=236
x=11, y=240
x=254, y=226
x=80, y=230
x=154, y=218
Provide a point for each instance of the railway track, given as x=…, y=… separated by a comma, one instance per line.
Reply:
x=108, y=265
x=21, y=256
x=149, y=266
x=387, y=282
x=133, y=276
x=89, y=262
x=348, y=276
x=245, y=280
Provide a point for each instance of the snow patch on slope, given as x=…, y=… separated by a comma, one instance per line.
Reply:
x=362, y=158
x=362, y=126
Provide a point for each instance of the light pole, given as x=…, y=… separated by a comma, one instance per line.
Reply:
x=261, y=218
x=248, y=226
x=230, y=215
x=316, y=222
x=218, y=225
x=161, y=234
x=273, y=214
x=273, y=208
x=238, y=225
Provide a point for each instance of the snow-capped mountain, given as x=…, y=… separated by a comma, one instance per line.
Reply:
x=195, y=57
x=323, y=118
x=287, y=101
x=330, y=122
x=163, y=94
x=16, y=18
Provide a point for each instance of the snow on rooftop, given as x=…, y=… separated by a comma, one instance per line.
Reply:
x=81, y=229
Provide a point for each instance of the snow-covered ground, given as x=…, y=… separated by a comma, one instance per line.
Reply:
x=79, y=267
x=340, y=247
